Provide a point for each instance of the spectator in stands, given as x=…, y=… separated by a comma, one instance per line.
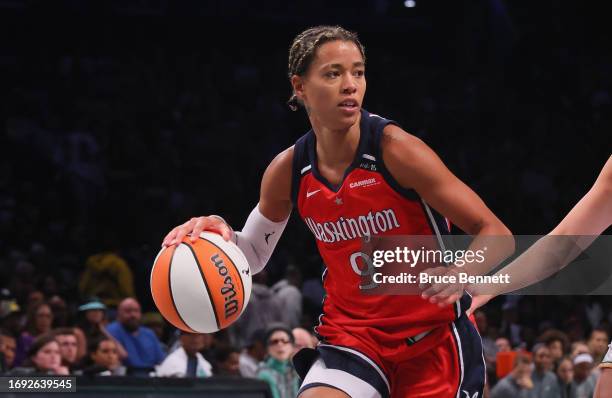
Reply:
x=488, y=344
x=302, y=338
x=142, y=346
x=107, y=276
x=263, y=310
x=579, y=347
x=518, y=383
x=23, y=280
x=209, y=345
x=557, y=343
x=154, y=321
x=598, y=343
x=510, y=325
x=10, y=313
x=277, y=370
x=253, y=354
x=43, y=357
x=92, y=326
x=503, y=344
x=67, y=341
x=186, y=361
x=565, y=377
x=313, y=294
x=61, y=314
x=585, y=381
x=38, y=322
x=102, y=358
x=289, y=296
x=227, y=361
x=8, y=346
x=544, y=381
x=35, y=298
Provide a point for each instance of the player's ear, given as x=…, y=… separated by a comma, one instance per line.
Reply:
x=297, y=82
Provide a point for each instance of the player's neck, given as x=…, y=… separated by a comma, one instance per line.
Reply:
x=336, y=148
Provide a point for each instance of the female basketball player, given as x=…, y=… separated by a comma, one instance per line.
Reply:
x=356, y=174
x=588, y=219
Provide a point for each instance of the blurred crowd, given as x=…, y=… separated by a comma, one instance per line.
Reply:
x=110, y=139
x=104, y=342
x=50, y=337
x=557, y=365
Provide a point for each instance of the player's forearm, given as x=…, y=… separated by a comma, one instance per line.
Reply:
x=544, y=258
x=497, y=244
x=589, y=218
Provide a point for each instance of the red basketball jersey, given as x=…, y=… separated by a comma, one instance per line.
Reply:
x=367, y=202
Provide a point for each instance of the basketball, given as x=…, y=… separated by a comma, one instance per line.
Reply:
x=201, y=286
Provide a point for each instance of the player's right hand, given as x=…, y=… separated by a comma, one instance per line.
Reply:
x=195, y=226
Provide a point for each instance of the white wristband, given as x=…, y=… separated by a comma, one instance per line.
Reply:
x=607, y=360
x=258, y=239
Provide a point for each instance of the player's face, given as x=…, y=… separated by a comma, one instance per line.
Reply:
x=334, y=85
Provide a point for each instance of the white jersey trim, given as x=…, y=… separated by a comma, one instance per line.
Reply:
x=344, y=381
x=365, y=358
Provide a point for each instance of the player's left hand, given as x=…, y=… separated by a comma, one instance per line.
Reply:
x=446, y=292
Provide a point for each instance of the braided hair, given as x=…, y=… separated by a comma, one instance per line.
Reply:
x=304, y=47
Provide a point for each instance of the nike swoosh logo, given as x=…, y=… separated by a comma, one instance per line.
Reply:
x=309, y=194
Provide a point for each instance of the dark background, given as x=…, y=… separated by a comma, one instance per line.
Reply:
x=121, y=119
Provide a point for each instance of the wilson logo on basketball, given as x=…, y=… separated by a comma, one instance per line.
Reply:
x=227, y=290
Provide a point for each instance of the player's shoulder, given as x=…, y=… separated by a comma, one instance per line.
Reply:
x=394, y=134
x=606, y=175
x=401, y=146
x=276, y=181
x=283, y=162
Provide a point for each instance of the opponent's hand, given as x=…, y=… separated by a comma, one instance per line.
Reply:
x=444, y=293
x=195, y=226
x=478, y=301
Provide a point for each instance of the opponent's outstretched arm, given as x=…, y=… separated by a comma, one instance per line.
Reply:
x=588, y=219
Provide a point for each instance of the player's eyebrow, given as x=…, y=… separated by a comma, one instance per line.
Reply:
x=339, y=66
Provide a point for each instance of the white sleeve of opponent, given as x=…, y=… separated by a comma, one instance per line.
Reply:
x=607, y=360
x=258, y=239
